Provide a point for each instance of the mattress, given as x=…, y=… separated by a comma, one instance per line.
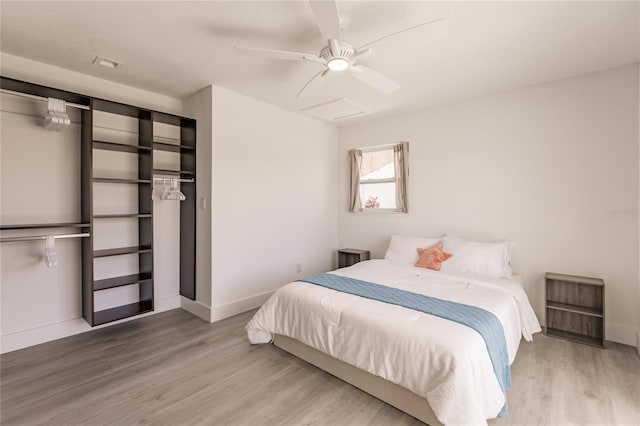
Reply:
x=442, y=361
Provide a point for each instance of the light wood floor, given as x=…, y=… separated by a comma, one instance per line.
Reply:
x=174, y=369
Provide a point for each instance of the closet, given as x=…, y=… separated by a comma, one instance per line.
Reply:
x=149, y=158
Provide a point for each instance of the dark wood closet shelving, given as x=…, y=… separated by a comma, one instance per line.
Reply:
x=45, y=225
x=187, y=144
x=144, y=148
x=115, y=146
x=143, y=278
x=119, y=216
x=121, y=281
x=163, y=146
x=122, y=250
x=121, y=312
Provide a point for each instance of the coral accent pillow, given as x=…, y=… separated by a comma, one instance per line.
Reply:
x=402, y=248
x=432, y=257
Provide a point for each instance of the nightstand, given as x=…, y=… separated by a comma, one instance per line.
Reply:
x=575, y=308
x=348, y=257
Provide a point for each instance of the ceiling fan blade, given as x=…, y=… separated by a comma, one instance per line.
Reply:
x=359, y=54
x=277, y=54
x=335, y=47
x=327, y=19
x=434, y=30
x=315, y=59
x=320, y=74
x=374, y=79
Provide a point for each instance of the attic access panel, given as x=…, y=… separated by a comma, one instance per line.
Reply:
x=337, y=109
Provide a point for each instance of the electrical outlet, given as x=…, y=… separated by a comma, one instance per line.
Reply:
x=299, y=268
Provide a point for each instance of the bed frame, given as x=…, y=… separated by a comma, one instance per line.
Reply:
x=382, y=389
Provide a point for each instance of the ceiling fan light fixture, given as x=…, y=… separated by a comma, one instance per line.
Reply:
x=338, y=64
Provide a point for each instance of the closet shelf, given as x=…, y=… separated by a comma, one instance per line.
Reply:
x=163, y=146
x=121, y=281
x=121, y=251
x=118, y=216
x=124, y=311
x=115, y=146
x=182, y=173
x=119, y=180
x=45, y=225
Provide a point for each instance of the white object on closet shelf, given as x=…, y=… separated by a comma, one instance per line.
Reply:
x=50, y=252
x=56, y=118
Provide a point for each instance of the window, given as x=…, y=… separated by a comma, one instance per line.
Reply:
x=379, y=179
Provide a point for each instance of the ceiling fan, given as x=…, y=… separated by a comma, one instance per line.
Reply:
x=338, y=55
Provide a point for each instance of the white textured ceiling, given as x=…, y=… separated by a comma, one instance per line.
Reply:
x=176, y=48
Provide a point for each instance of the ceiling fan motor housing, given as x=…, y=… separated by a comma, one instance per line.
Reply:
x=346, y=51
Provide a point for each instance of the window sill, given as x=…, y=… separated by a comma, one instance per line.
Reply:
x=382, y=212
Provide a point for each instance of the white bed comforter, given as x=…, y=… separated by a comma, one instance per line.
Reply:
x=445, y=362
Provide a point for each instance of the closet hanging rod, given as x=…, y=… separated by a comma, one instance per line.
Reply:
x=43, y=237
x=182, y=180
x=41, y=98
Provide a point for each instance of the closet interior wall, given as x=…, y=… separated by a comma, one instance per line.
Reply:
x=39, y=183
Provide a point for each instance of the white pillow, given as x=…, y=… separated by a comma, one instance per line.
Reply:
x=403, y=249
x=488, y=259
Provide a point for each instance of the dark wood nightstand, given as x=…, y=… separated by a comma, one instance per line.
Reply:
x=348, y=257
x=575, y=308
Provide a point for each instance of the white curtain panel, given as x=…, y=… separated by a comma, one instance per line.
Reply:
x=355, y=204
x=401, y=158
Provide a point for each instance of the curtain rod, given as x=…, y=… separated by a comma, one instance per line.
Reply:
x=41, y=98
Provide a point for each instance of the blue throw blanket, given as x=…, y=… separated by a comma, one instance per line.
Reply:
x=484, y=322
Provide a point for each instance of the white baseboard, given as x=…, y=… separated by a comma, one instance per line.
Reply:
x=621, y=333
x=35, y=336
x=166, y=304
x=196, y=308
x=239, y=306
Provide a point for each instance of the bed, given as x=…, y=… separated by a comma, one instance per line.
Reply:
x=435, y=369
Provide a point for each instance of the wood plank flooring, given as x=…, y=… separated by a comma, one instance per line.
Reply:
x=175, y=369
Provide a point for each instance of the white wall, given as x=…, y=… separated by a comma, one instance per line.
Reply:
x=552, y=167
x=39, y=178
x=200, y=106
x=273, y=200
